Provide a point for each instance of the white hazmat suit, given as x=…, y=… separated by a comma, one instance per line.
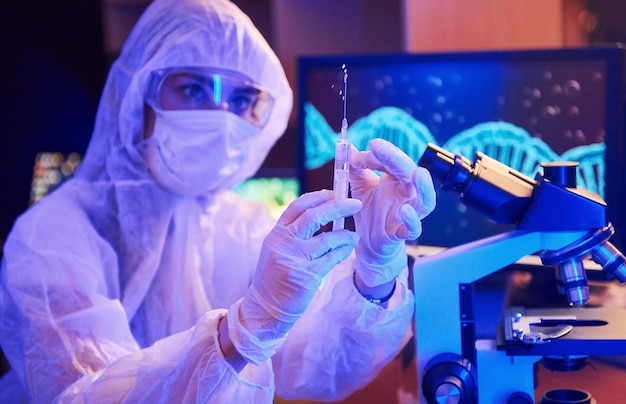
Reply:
x=112, y=287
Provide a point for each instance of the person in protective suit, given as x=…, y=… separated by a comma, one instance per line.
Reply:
x=144, y=279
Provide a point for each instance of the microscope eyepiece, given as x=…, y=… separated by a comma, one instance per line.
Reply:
x=493, y=188
x=451, y=171
x=561, y=173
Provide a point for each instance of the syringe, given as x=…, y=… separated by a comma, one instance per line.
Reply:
x=342, y=156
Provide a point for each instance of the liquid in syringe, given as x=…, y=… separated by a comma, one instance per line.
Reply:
x=342, y=156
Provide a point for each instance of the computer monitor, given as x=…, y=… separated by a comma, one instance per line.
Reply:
x=50, y=170
x=520, y=107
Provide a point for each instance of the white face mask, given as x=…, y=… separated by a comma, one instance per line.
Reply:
x=195, y=152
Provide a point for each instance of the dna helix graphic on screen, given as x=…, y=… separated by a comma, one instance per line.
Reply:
x=503, y=141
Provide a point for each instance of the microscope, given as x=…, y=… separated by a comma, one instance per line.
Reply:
x=553, y=220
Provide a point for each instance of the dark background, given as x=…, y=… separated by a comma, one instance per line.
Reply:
x=50, y=83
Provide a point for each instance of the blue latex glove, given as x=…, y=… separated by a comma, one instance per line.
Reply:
x=293, y=263
x=393, y=206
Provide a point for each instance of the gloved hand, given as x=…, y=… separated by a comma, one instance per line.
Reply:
x=393, y=206
x=291, y=267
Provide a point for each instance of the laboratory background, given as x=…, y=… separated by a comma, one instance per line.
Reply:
x=56, y=55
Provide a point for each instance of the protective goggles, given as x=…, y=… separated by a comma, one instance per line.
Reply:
x=195, y=88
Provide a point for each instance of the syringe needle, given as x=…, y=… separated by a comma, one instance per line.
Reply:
x=342, y=156
x=345, y=95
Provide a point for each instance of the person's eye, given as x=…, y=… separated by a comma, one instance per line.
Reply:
x=196, y=95
x=240, y=102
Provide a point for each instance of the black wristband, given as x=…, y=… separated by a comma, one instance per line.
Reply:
x=372, y=299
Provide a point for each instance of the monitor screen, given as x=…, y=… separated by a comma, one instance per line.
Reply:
x=519, y=107
x=50, y=170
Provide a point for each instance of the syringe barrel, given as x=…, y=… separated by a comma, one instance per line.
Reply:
x=342, y=156
x=342, y=176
